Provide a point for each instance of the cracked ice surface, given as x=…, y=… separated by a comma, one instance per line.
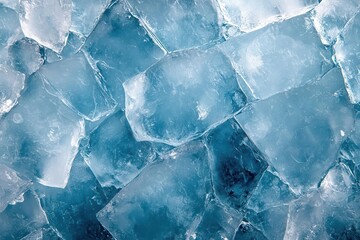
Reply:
x=179, y=119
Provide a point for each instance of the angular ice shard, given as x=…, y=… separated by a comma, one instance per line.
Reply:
x=121, y=48
x=47, y=22
x=247, y=231
x=85, y=15
x=11, y=186
x=22, y=218
x=114, y=155
x=181, y=96
x=271, y=222
x=10, y=4
x=250, y=15
x=40, y=136
x=350, y=148
x=163, y=201
x=11, y=84
x=78, y=86
x=26, y=56
x=315, y=217
x=180, y=24
x=269, y=192
x=72, y=211
x=260, y=57
x=288, y=128
x=45, y=233
x=217, y=222
x=330, y=17
x=10, y=29
x=235, y=163
x=347, y=52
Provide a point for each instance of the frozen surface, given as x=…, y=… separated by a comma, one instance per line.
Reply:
x=121, y=48
x=330, y=17
x=180, y=24
x=22, y=218
x=25, y=56
x=114, y=155
x=247, y=231
x=78, y=86
x=250, y=15
x=47, y=22
x=288, y=133
x=269, y=192
x=173, y=192
x=235, y=162
x=85, y=15
x=83, y=196
x=10, y=29
x=40, y=137
x=11, y=186
x=217, y=222
x=347, y=52
x=11, y=84
x=277, y=58
x=181, y=96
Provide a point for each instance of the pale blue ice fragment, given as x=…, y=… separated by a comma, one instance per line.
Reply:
x=72, y=210
x=271, y=222
x=121, y=48
x=85, y=14
x=217, y=222
x=11, y=186
x=11, y=84
x=47, y=22
x=75, y=82
x=350, y=148
x=163, y=201
x=10, y=29
x=331, y=213
x=22, y=218
x=40, y=136
x=260, y=57
x=10, y=4
x=235, y=162
x=26, y=56
x=270, y=192
x=114, y=155
x=330, y=17
x=250, y=15
x=289, y=134
x=45, y=233
x=180, y=24
x=182, y=96
x=247, y=231
x=347, y=52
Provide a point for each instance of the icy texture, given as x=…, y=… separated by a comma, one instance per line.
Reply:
x=86, y=14
x=250, y=15
x=83, y=196
x=247, y=231
x=173, y=192
x=235, y=163
x=121, y=48
x=217, y=222
x=11, y=186
x=333, y=213
x=289, y=133
x=22, y=218
x=10, y=29
x=277, y=58
x=270, y=192
x=271, y=222
x=330, y=17
x=180, y=24
x=11, y=84
x=47, y=22
x=347, y=52
x=10, y=4
x=181, y=96
x=114, y=155
x=78, y=86
x=40, y=137
x=46, y=233
x=25, y=56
